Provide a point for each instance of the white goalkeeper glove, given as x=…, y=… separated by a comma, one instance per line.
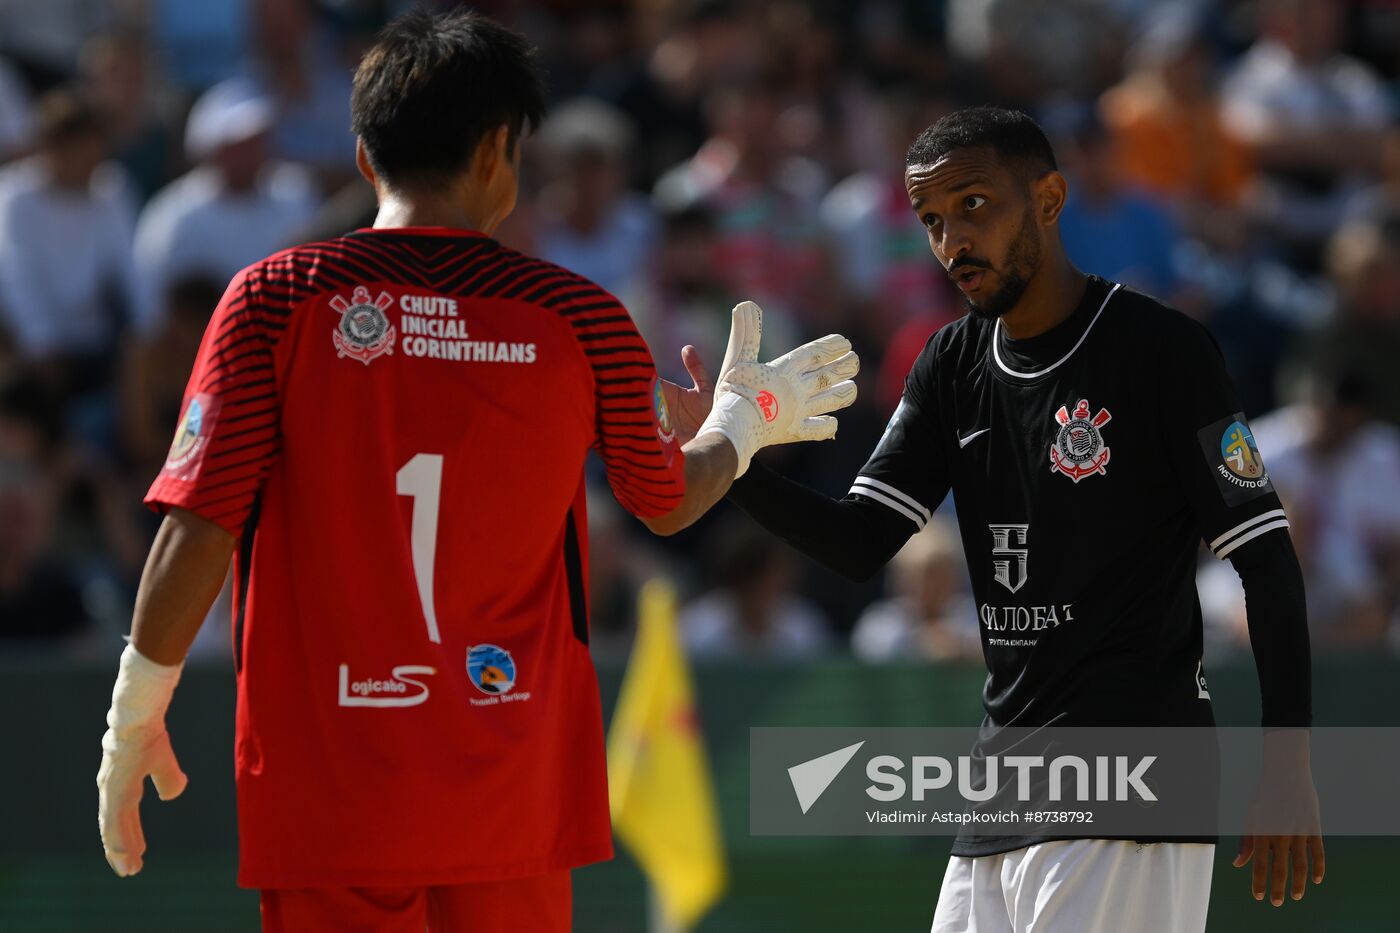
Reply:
x=757, y=405
x=135, y=745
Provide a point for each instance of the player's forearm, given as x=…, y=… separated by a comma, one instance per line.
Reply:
x=710, y=464
x=1278, y=629
x=851, y=537
x=1288, y=748
x=183, y=575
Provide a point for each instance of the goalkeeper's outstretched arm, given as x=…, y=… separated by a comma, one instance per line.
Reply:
x=757, y=405
x=853, y=537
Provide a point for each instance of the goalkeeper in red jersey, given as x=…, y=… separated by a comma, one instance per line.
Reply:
x=386, y=432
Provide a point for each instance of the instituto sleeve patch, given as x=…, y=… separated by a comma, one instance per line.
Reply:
x=192, y=437
x=1233, y=456
x=664, y=431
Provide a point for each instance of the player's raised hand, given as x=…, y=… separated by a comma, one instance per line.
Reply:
x=689, y=407
x=134, y=746
x=757, y=405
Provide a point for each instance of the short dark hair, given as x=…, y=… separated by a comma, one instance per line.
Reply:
x=193, y=297
x=433, y=85
x=1013, y=136
x=67, y=113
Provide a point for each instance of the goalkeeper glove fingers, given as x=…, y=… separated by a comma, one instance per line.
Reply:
x=790, y=399
x=134, y=746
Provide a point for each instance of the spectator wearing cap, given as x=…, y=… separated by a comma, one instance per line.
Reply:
x=66, y=283
x=587, y=219
x=232, y=209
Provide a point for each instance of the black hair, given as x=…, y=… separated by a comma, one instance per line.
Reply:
x=193, y=297
x=25, y=398
x=433, y=85
x=67, y=113
x=687, y=218
x=1014, y=137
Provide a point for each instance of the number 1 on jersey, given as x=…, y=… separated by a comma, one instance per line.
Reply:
x=421, y=478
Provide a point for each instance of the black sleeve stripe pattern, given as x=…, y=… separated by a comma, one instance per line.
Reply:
x=640, y=465
x=245, y=437
x=885, y=494
x=1247, y=531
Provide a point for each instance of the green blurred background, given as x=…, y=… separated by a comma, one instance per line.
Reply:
x=53, y=876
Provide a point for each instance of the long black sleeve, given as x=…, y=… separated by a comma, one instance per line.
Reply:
x=853, y=536
x=1278, y=628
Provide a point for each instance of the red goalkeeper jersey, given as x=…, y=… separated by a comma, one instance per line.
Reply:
x=395, y=424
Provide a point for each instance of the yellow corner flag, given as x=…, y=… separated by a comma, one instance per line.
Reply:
x=663, y=803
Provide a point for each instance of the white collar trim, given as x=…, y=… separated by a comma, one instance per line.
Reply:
x=996, y=343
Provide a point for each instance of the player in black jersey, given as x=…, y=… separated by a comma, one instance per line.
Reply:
x=1091, y=439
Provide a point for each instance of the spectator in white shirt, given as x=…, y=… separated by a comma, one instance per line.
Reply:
x=753, y=611
x=66, y=283
x=16, y=121
x=234, y=208
x=1337, y=470
x=588, y=220
x=1313, y=118
x=929, y=615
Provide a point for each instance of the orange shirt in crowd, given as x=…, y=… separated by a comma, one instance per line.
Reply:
x=1174, y=147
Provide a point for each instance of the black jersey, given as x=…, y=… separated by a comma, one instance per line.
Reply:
x=1086, y=464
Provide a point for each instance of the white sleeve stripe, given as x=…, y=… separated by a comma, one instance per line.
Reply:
x=1244, y=526
x=883, y=499
x=901, y=496
x=1271, y=526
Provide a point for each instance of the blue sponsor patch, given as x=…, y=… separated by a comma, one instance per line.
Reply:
x=1234, y=459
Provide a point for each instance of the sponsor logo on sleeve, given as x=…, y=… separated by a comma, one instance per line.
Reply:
x=192, y=437
x=664, y=428
x=1233, y=456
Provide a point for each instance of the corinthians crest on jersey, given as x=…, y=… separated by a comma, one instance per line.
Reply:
x=1078, y=450
x=364, y=332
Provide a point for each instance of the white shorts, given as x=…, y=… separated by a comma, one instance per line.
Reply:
x=1079, y=886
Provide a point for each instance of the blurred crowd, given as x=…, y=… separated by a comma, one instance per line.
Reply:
x=1239, y=159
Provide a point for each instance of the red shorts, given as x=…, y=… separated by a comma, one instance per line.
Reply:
x=541, y=904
